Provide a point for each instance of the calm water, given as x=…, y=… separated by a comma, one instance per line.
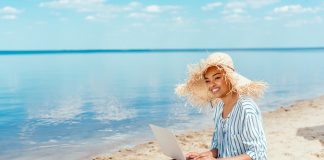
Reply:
x=73, y=106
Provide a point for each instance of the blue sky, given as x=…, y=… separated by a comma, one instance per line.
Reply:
x=121, y=24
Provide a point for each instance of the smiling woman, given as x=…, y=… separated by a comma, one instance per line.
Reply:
x=238, y=130
x=86, y=76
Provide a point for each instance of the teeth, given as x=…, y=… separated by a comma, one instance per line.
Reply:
x=215, y=90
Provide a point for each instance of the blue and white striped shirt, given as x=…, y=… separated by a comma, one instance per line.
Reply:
x=240, y=132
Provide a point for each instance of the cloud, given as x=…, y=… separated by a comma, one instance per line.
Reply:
x=235, y=12
x=260, y=3
x=9, y=10
x=178, y=20
x=238, y=11
x=140, y=15
x=80, y=6
x=131, y=6
x=289, y=13
x=211, y=6
x=153, y=9
x=237, y=18
x=239, y=4
x=9, y=17
x=9, y=13
x=302, y=22
x=100, y=9
x=234, y=8
x=90, y=18
x=162, y=8
x=297, y=8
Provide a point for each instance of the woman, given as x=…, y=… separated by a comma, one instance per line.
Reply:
x=238, y=133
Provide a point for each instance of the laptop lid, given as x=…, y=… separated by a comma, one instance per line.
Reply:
x=167, y=142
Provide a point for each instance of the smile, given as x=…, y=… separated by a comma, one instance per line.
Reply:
x=214, y=90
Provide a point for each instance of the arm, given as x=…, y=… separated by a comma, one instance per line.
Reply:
x=239, y=157
x=194, y=155
x=212, y=152
x=253, y=137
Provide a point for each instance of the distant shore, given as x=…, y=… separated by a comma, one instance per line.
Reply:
x=292, y=132
x=149, y=50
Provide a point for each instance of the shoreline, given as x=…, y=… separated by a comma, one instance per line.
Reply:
x=293, y=132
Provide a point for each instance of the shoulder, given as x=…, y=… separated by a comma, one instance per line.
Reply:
x=217, y=110
x=248, y=105
x=218, y=106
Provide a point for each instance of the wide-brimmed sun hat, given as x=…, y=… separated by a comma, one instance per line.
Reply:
x=196, y=90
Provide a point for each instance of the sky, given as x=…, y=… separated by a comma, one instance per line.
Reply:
x=149, y=24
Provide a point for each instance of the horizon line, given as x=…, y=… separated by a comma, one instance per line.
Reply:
x=152, y=50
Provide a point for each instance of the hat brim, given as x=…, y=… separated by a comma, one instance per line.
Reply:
x=196, y=90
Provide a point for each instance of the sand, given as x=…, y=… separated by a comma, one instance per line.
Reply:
x=293, y=132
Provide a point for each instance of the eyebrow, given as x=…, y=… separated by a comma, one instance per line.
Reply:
x=216, y=74
x=213, y=75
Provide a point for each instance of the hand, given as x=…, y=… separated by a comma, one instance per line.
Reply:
x=208, y=155
x=192, y=155
x=204, y=157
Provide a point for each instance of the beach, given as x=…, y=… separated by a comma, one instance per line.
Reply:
x=96, y=108
x=293, y=132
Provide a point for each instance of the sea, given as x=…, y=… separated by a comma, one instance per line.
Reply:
x=80, y=103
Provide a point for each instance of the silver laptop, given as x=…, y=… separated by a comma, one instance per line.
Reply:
x=167, y=142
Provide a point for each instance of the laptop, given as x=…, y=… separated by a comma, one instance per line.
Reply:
x=167, y=142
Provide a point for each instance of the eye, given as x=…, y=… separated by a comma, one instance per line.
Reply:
x=217, y=77
x=207, y=81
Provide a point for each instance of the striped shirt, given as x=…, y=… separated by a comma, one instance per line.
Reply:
x=240, y=132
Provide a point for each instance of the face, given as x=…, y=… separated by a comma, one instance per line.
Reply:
x=215, y=81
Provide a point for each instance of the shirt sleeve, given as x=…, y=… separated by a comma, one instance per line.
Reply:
x=214, y=140
x=253, y=137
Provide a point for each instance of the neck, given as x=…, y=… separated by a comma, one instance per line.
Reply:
x=230, y=99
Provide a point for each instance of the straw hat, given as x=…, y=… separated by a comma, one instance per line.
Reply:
x=196, y=90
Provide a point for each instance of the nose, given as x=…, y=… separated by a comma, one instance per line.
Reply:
x=212, y=83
